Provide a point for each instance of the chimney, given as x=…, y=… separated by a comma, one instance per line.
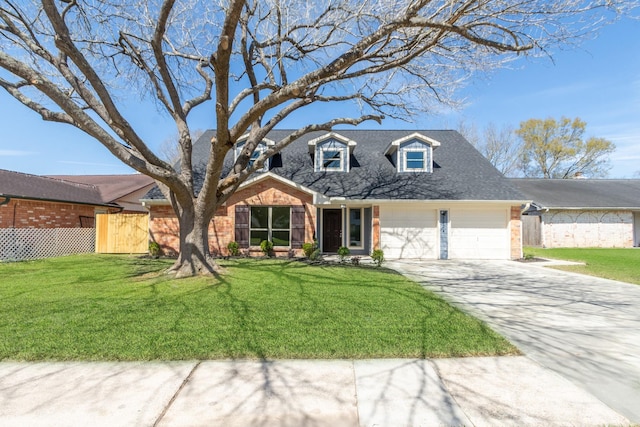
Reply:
x=578, y=175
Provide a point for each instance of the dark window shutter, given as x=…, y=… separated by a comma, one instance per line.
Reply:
x=297, y=226
x=242, y=225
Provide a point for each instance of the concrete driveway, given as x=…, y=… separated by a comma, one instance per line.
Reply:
x=586, y=329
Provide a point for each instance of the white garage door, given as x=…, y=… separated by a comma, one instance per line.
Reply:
x=408, y=232
x=479, y=234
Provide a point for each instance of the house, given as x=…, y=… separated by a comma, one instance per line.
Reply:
x=31, y=201
x=123, y=190
x=414, y=194
x=583, y=212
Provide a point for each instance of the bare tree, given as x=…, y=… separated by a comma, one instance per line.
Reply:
x=558, y=149
x=170, y=147
x=499, y=145
x=260, y=62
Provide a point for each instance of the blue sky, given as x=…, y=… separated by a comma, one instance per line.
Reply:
x=598, y=82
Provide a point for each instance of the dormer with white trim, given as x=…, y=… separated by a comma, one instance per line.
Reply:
x=331, y=153
x=413, y=153
x=261, y=148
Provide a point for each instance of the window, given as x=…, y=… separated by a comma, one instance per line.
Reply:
x=331, y=154
x=270, y=223
x=414, y=160
x=331, y=159
x=412, y=153
x=261, y=148
x=355, y=228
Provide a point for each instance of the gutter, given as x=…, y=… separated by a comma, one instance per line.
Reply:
x=42, y=199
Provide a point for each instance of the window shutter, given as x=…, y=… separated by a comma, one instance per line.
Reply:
x=242, y=225
x=297, y=226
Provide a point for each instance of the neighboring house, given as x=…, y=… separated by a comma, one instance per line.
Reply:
x=584, y=212
x=414, y=194
x=123, y=190
x=30, y=201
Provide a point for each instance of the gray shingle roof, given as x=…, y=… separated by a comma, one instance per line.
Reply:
x=460, y=172
x=25, y=186
x=111, y=187
x=581, y=193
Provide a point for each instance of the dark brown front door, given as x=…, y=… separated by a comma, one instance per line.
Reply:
x=331, y=230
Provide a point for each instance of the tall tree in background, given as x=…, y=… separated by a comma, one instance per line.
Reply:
x=500, y=146
x=558, y=149
x=259, y=62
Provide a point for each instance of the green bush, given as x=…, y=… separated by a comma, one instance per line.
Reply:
x=234, y=248
x=308, y=248
x=267, y=247
x=343, y=252
x=378, y=257
x=154, y=249
x=316, y=255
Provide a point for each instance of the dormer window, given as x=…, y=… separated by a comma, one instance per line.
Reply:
x=261, y=148
x=414, y=160
x=332, y=158
x=413, y=153
x=331, y=153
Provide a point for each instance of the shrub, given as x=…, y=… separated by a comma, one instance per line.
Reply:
x=267, y=247
x=378, y=257
x=355, y=260
x=343, y=252
x=234, y=248
x=154, y=249
x=308, y=248
x=316, y=255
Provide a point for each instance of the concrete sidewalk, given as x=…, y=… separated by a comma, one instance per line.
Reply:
x=492, y=391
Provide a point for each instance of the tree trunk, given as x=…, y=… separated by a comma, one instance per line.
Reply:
x=194, y=258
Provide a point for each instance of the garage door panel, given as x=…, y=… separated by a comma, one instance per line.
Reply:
x=479, y=234
x=408, y=232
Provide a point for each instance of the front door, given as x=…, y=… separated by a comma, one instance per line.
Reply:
x=331, y=230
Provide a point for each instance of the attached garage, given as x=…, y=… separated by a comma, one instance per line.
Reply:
x=414, y=232
x=409, y=231
x=479, y=234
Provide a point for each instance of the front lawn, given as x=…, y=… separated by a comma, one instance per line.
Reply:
x=101, y=307
x=615, y=264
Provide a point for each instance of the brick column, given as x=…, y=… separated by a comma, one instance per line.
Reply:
x=375, y=232
x=515, y=224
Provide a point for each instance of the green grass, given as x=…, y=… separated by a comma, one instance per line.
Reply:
x=97, y=307
x=616, y=264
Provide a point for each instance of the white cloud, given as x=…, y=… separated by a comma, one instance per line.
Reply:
x=15, y=153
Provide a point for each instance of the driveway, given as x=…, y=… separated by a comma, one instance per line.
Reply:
x=585, y=328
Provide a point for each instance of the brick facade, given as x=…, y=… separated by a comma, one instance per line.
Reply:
x=21, y=213
x=583, y=229
x=515, y=225
x=164, y=227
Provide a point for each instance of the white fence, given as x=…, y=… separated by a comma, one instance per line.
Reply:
x=21, y=244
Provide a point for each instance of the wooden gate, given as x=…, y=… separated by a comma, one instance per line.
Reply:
x=531, y=230
x=122, y=233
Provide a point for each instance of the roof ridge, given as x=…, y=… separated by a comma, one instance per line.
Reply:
x=49, y=178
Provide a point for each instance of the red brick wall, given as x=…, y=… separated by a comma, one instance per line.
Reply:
x=376, y=227
x=39, y=214
x=516, y=233
x=164, y=227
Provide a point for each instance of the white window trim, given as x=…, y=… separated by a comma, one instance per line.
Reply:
x=361, y=246
x=323, y=150
x=426, y=167
x=260, y=148
x=269, y=228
